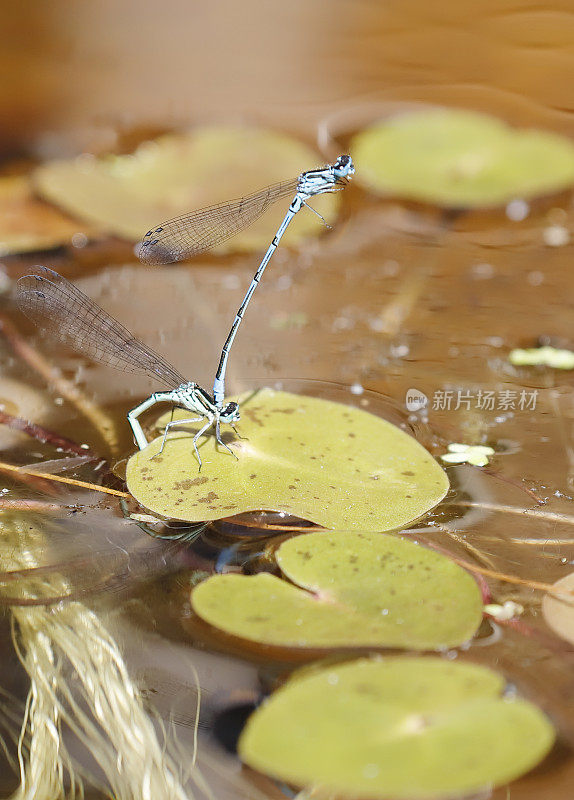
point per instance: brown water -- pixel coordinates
(396, 297)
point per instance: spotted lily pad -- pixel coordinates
(333, 464)
(396, 727)
(128, 194)
(461, 159)
(347, 589)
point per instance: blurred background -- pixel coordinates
(69, 67)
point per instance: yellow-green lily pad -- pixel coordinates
(347, 589)
(461, 159)
(335, 465)
(128, 194)
(402, 728)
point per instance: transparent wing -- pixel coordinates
(60, 308)
(190, 234)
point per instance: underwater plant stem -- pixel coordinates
(45, 436)
(533, 513)
(494, 474)
(501, 576)
(103, 423)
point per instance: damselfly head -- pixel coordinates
(344, 167)
(230, 413)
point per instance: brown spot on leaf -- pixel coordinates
(188, 483)
(209, 498)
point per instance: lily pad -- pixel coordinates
(28, 224)
(559, 613)
(396, 727)
(333, 464)
(128, 194)
(347, 589)
(461, 159)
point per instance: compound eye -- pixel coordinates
(231, 412)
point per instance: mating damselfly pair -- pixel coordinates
(66, 313)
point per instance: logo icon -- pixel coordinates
(416, 400)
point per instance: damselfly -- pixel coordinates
(66, 313)
(190, 234)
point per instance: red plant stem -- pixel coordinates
(44, 435)
(101, 421)
(493, 473)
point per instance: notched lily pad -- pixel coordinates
(333, 464)
(397, 727)
(347, 590)
(461, 159)
(128, 194)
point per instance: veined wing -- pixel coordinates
(60, 308)
(192, 233)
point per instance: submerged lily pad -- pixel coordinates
(559, 613)
(128, 194)
(347, 590)
(333, 464)
(462, 159)
(396, 727)
(28, 224)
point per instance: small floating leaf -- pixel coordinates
(347, 590)
(333, 464)
(502, 613)
(396, 727)
(461, 159)
(177, 173)
(559, 613)
(28, 224)
(477, 454)
(542, 356)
